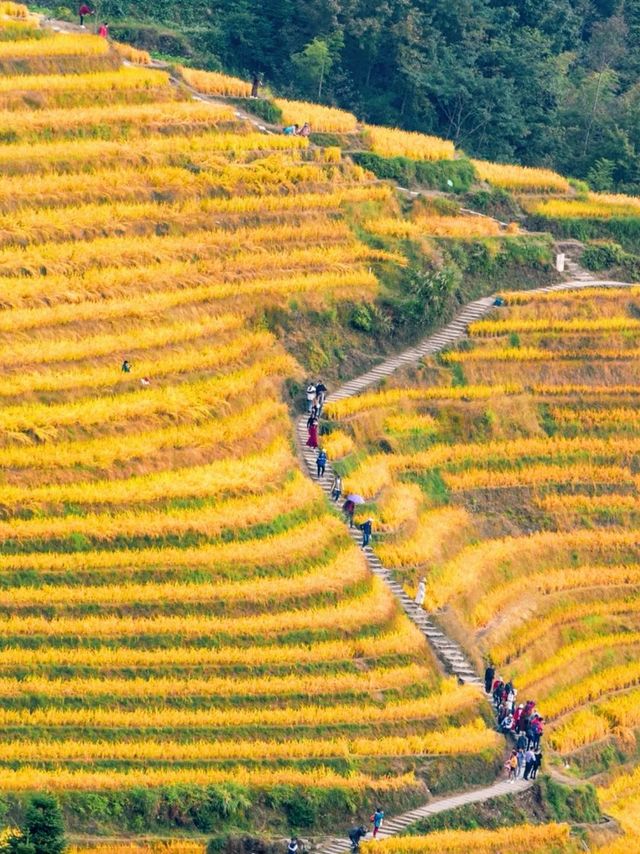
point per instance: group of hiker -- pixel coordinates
(316, 394)
(521, 721)
(86, 11)
(297, 130)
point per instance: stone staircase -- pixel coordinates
(398, 823)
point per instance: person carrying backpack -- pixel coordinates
(366, 532)
(349, 508)
(355, 835)
(321, 462)
(376, 819)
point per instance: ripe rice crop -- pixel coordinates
(435, 226)
(14, 10)
(435, 529)
(91, 155)
(97, 81)
(214, 83)
(538, 839)
(387, 642)
(469, 739)
(83, 222)
(55, 45)
(524, 179)
(487, 328)
(324, 119)
(61, 779)
(134, 117)
(300, 684)
(392, 142)
(344, 571)
(595, 206)
(450, 701)
(152, 846)
(132, 54)
(535, 839)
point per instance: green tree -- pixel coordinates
(43, 827)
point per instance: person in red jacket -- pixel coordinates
(83, 11)
(104, 31)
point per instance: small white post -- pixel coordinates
(560, 262)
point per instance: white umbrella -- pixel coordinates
(357, 499)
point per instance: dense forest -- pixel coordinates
(540, 82)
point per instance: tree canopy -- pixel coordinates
(540, 82)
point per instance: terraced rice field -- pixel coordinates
(505, 471)
(179, 607)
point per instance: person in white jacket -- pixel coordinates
(422, 590)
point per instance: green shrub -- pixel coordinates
(262, 107)
(494, 202)
(454, 176)
(361, 318)
(602, 255)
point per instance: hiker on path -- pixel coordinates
(489, 673)
(312, 427)
(376, 819)
(512, 766)
(290, 130)
(255, 85)
(311, 396)
(83, 11)
(321, 462)
(537, 762)
(366, 532)
(521, 742)
(348, 508)
(104, 30)
(529, 760)
(336, 487)
(536, 729)
(305, 130)
(292, 847)
(321, 393)
(355, 835)
(422, 592)
(521, 764)
(126, 367)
